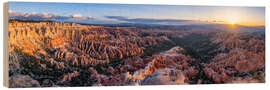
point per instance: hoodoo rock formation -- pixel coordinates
(70, 48)
(242, 55)
(53, 54)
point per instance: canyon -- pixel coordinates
(62, 54)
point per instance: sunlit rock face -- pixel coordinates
(164, 77)
(66, 49)
(77, 44)
(163, 68)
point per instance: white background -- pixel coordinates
(265, 3)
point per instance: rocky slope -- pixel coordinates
(65, 50)
(53, 54)
(242, 59)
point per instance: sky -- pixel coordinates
(138, 13)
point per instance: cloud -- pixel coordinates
(146, 20)
(15, 13)
(92, 20)
(45, 16)
(76, 16)
(33, 15)
(90, 17)
(218, 21)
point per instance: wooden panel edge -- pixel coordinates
(5, 45)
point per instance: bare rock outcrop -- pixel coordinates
(22, 81)
(164, 77)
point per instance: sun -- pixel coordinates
(232, 22)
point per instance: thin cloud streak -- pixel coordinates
(45, 16)
(155, 21)
(144, 20)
